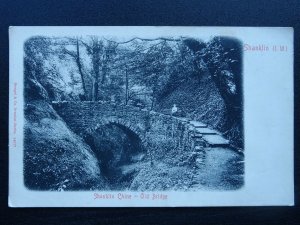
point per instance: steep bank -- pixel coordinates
(54, 157)
(199, 99)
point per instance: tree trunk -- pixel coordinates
(152, 103)
(126, 86)
(103, 79)
(95, 88)
(80, 70)
(96, 79)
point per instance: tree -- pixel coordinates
(75, 54)
(101, 53)
(40, 70)
(221, 61)
(150, 65)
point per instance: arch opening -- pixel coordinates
(120, 153)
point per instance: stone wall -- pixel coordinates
(157, 131)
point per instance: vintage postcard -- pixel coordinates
(150, 116)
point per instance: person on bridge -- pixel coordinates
(174, 109)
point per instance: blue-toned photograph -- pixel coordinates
(138, 114)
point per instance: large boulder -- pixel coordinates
(55, 158)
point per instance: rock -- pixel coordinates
(34, 90)
(54, 157)
(197, 124)
(198, 148)
(205, 131)
(216, 140)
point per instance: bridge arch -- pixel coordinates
(117, 147)
(125, 124)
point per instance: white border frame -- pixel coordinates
(268, 121)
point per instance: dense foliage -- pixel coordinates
(144, 72)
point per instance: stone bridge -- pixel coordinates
(155, 130)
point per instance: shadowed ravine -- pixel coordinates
(116, 147)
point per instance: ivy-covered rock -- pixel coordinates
(54, 157)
